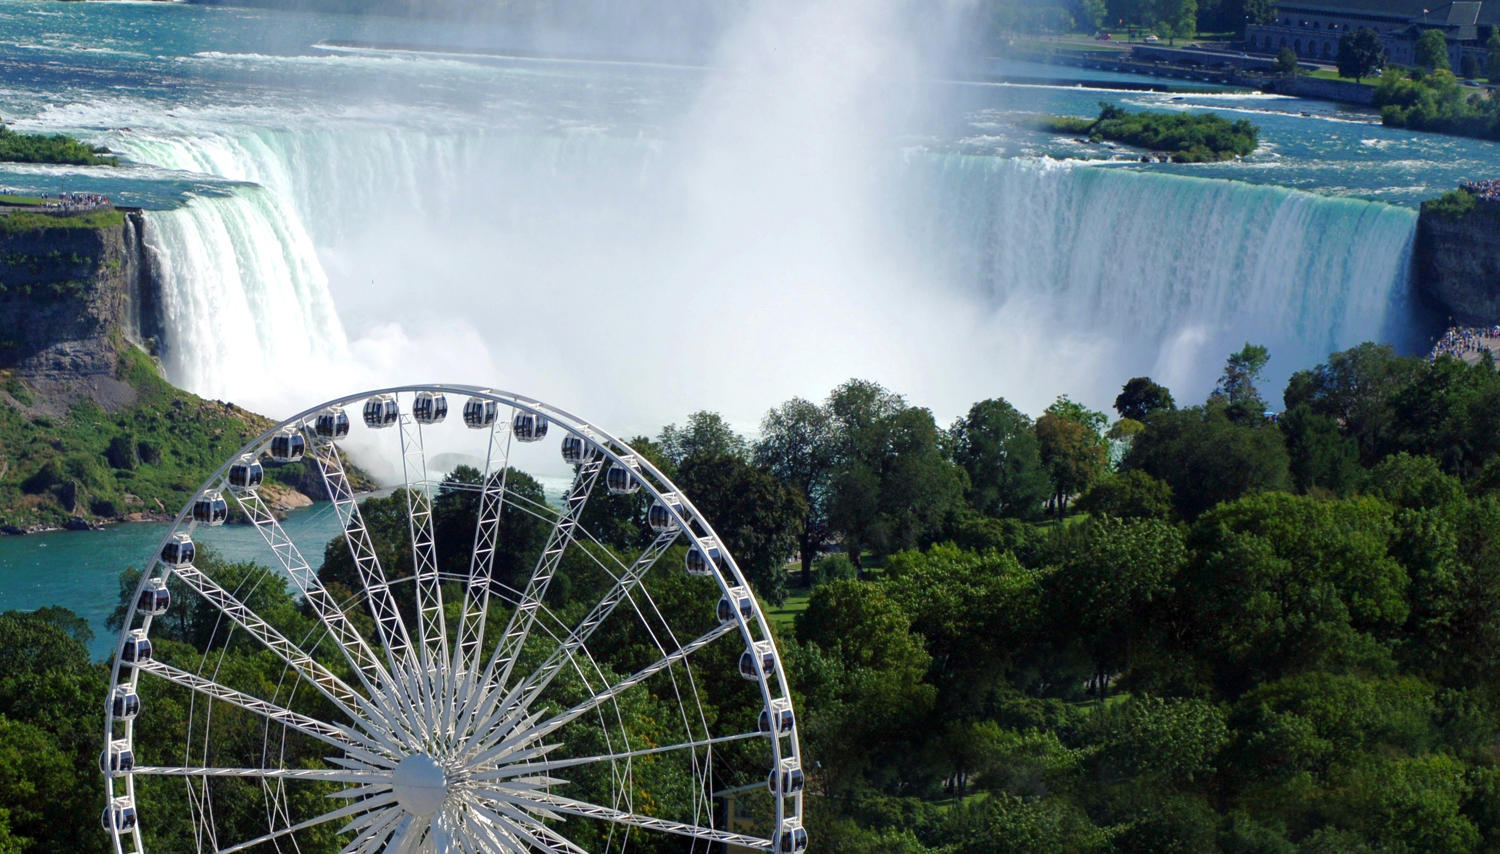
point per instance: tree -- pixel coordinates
(1181, 19)
(755, 515)
(996, 446)
(1492, 59)
(1354, 388)
(1470, 67)
(1431, 51)
(1287, 584)
(1286, 63)
(1141, 397)
(1097, 13)
(1073, 455)
(1320, 456)
(1361, 54)
(797, 447)
(706, 434)
(1237, 385)
(1206, 458)
(1128, 495)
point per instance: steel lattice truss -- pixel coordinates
(444, 728)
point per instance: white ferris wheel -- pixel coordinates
(433, 706)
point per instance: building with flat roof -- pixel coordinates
(1312, 28)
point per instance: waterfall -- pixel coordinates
(245, 302)
(954, 277)
(1135, 272)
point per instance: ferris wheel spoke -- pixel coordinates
(578, 637)
(344, 812)
(375, 830)
(496, 831)
(388, 622)
(569, 806)
(323, 679)
(521, 769)
(510, 740)
(322, 774)
(358, 653)
(486, 540)
(518, 628)
(431, 628)
(525, 825)
(340, 737)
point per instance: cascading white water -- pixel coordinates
(246, 303)
(963, 277)
(1097, 269)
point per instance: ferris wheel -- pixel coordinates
(619, 688)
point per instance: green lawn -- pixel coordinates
(21, 201)
(796, 603)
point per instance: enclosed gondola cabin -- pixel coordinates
(155, 599)
(124, 704)
(660, 517)
(246, 473)
(778, 716)
(480, 413)
(381, 411)
(793, 839)
(288, 447)
(529, 426)
(767, 661)
(703, 559)
(178, 551)
(577, 450)
(137, 648)
(788, 779)
(429, 407)
(210, 509)
(738, 599)
(117, 759)
(623, 477)
(119, 816)
(331, 423)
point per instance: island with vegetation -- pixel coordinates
(1184, 137)
(55, 148)
(1435, 101)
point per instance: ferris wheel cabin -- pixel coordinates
(119, 816)
(767, 661)
(480, 413)
(577, 450)
(788, 779)
(779, 716)
(702, 560)
(430, 407)
(288, 447)
(137, 648)
(155, 599)
(117, 759)
(793, 838)
(331, 423)
(246, 473)
(124, 704)
(659, 517)
(381, 411)
(529, 426)
(211, 509)
(739, 599)
(623, 478)
(179, 551)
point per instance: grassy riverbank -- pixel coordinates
(1185, 137)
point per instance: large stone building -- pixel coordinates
(1312, 28)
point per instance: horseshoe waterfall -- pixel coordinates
(1050, 273)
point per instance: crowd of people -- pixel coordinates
(66, 202)
(1488, 189)
(1459, 341)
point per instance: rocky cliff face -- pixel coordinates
(70, 299)
(1458, 263)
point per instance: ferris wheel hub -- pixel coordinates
(420, 784)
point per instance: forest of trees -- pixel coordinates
(1187, 628)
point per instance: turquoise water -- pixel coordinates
(80, 570)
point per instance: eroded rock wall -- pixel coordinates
(1458, 263)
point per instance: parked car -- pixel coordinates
(1103, 37)
(1152, 38)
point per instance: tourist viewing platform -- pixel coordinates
(60, 203)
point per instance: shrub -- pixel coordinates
(1454, 204)
(834, 568)
(45, 477)
(122, 453)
